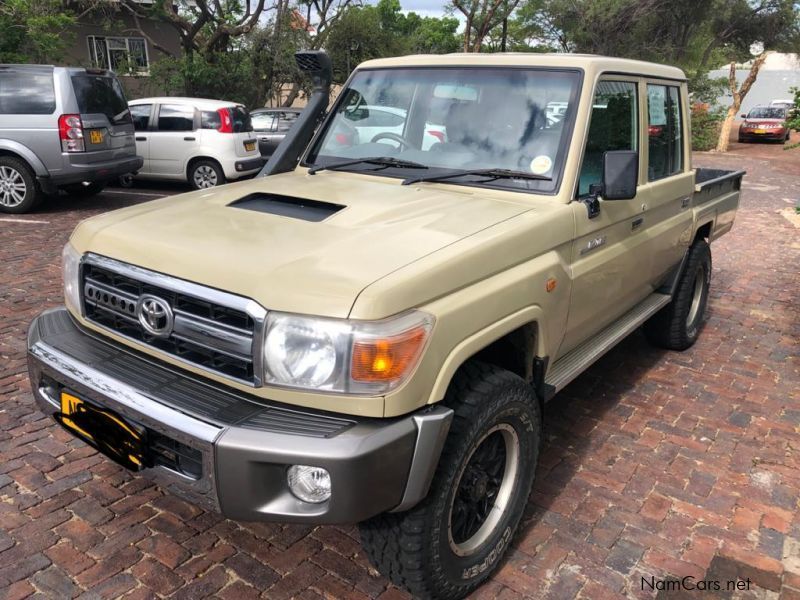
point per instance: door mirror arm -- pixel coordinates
(592, 201)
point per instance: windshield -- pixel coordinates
(766, 112)
(455, 118)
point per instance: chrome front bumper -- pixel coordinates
(231, 450)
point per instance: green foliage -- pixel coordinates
(706, 125)
(794, 114)
(224, 75)
(695, 35)
(33, 31)
(703, 88)
(367, 32)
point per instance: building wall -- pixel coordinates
(121, 24)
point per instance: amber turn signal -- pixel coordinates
(389, 358)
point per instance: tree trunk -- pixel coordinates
(292, 95)
(738, 97)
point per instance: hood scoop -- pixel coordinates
(288, 206)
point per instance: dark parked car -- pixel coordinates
(764, 123)
(271, 126)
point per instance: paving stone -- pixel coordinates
(660, 464)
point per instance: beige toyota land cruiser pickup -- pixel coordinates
(367, 332)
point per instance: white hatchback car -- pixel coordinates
(205, 142)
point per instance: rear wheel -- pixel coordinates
(677, 325)
(19, 192)
(126, 180)
(450, 543)
(204, 174)
(84, 190)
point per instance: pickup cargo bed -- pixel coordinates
(716, 198)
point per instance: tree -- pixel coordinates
(202, 26)
(357, 37)
(34, 30)
(434, 35)
(481, 17)
(738, 96)
(367, 32)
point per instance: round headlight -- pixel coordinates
(309, 484)
(300, 352)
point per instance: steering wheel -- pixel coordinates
(392, 136)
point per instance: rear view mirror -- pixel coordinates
(744, 115)
(620, 174)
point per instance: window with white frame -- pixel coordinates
(119, 54)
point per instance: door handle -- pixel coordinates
(636, 223)
(189, 139)
(141, 139)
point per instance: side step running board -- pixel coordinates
(572, 364)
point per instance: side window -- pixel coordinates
(174, 117)
(26, 92)
(141, 116)
(664, 131)
(286, 121)
(263, 121)
(210, 119)
(613, 126)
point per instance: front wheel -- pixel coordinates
(677, 325)
(450, 543)
(19, 192)
(204, 174)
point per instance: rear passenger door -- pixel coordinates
(173, 139)
(667, 192)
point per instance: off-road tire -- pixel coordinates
(16, 170)
(678, 324)
(415, 548)
(206, 170)
(84, 190)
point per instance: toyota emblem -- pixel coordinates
(155, 315)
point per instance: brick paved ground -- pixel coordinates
(655, 464)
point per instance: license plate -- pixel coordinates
(96, 137)
(761, 131)
(249, 146)
(103, 429)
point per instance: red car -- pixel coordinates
(764, 123)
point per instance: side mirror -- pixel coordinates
(620, 174)
(744, 115)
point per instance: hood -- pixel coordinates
(765, 121)
(361, 229)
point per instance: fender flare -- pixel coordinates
(27, 155)
(483, 338)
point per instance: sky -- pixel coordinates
(425, 8)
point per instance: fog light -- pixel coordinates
(310, 484)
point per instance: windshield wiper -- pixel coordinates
(491, 174)
(383, 161)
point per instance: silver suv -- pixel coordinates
(61, 128)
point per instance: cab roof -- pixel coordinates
(588, 62)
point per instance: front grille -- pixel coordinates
(216, 337)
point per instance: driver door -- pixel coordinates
(610, 262)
